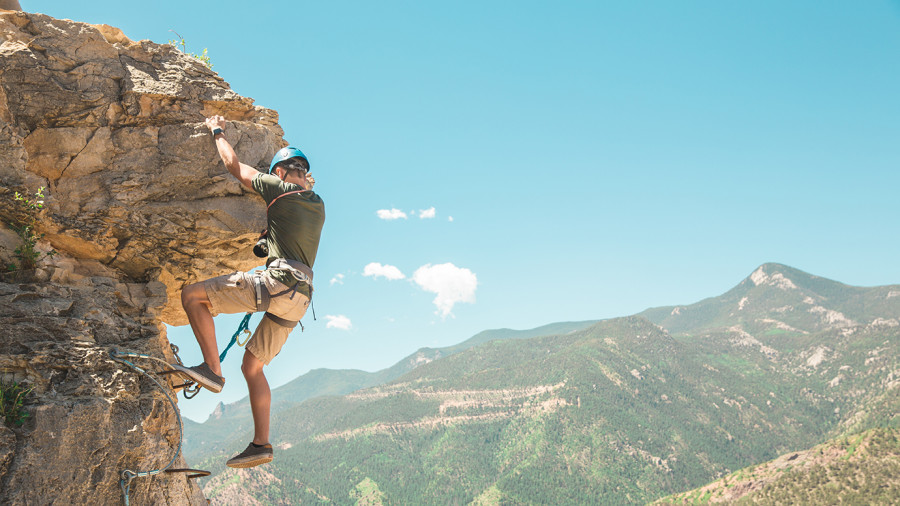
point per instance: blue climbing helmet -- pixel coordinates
(286, 154)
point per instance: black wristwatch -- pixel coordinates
(217, 131)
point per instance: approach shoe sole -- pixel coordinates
(252, 456)
(258, 461)
(200, 378)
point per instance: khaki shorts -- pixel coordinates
(236, 293)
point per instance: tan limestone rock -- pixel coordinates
(137, 205)
(10, 5)
(114, 129)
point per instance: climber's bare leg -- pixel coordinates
(197, 307)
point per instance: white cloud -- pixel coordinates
(338, 279)
(339, 322)
(450, 218)
(426, 213)
(376, 270)
(391, 214)
(452, 284)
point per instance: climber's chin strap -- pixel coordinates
(300, 271)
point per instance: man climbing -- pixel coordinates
(295, 215)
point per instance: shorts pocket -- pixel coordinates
(235, 280)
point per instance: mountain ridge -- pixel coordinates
(227, 419)
(624, 410)
(793, 288)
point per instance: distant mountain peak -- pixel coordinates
(773, 275)
(218, 412)
(776, 298)
(787, 278)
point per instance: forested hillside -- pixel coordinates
(623, 412)
(855, 469)
(229, 423)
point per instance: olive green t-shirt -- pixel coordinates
(295, 224)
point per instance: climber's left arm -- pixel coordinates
(243, 172)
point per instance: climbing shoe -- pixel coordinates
(203, 376)
(253, 456)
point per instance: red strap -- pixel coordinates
(282, 195)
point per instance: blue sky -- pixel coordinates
(596, 158)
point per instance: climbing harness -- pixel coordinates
(127, 474)
(299, 270)
(301, 274)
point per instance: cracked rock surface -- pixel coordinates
(137, 205)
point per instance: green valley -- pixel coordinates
(621, 411)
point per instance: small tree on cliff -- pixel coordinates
(181, 42)
(25, 226)
(12, 402)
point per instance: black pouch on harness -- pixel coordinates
(261, 248)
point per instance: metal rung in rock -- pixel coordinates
(191, 388)
(191, 473)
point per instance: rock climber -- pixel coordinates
(295, 215)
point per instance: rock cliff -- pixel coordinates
(137, 205)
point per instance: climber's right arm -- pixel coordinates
(244, 173)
